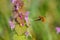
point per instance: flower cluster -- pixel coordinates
(19, 17)
(17, 14)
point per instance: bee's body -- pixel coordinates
(41, 18)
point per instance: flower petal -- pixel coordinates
(58, 29)
(11, 24)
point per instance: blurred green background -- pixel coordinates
(43, 31)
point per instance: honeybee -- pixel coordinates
(41, 18)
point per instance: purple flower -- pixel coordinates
(22, 24)
(58, 29)
(27, 14)
(11, 25)
(27, 34)
(21, 16)
(16, 7)
(26, 17)
(13, 1)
